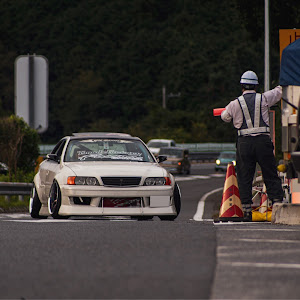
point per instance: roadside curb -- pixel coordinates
(286, 213)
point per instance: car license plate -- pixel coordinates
(121, 202)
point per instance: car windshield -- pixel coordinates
(227, 155)
(158, 144)
(107, 150)
(171, 152)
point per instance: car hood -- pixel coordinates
(97, 169)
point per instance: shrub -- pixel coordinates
(18, 145)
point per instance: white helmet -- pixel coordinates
(249, 77)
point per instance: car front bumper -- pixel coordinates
(154, 201)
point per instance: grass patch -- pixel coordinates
(13, 203)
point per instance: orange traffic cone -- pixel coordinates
(265, 204)
(264, 211)
(231, 207)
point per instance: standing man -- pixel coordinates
(250, 116)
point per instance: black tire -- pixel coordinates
(177, 202)
(54, 201)
(35, 205)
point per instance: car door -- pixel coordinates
(43, 170)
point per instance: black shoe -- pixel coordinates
(247, 216)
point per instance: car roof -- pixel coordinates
(116, 135)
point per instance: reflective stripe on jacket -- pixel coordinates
(253, 122)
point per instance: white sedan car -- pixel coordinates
(106, 174)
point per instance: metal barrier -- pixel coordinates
(15, 188)
(208, 147)
(203, 156)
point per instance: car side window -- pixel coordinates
(59, 148)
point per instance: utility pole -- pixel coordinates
(267, 54)
(164, 96)
(164, 104)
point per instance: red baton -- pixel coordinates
(217, 111)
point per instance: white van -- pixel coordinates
(155, 144)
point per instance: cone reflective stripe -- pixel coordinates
(231, 207)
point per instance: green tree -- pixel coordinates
(109, 59)
(18, 145)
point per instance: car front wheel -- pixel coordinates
(177, 202)
(54, 201)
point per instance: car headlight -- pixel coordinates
(218, 161)
(157, 181)
(81, 180)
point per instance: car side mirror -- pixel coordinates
(161, 158)
(53, 157)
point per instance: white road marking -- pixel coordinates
(14, 216)
(68, 220)
(237, 223)
(268, 241)
(43, 221)
(28, 219)
(217, 175)
(262, 265)
(200, 209)
(232, 251)
(262, 229)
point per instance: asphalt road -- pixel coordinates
(119, 258)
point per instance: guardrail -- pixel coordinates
(203, 156)
(208, 147)
(15, 188)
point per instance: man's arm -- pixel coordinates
(273, 96)
(225, 116)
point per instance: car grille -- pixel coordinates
(121, 181)
(121, 202)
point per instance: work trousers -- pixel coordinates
(252, 150)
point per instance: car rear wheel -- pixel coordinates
(35, 205)
(54, 201)
(177, 202)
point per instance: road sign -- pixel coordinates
(286, 37)
(31, 90)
